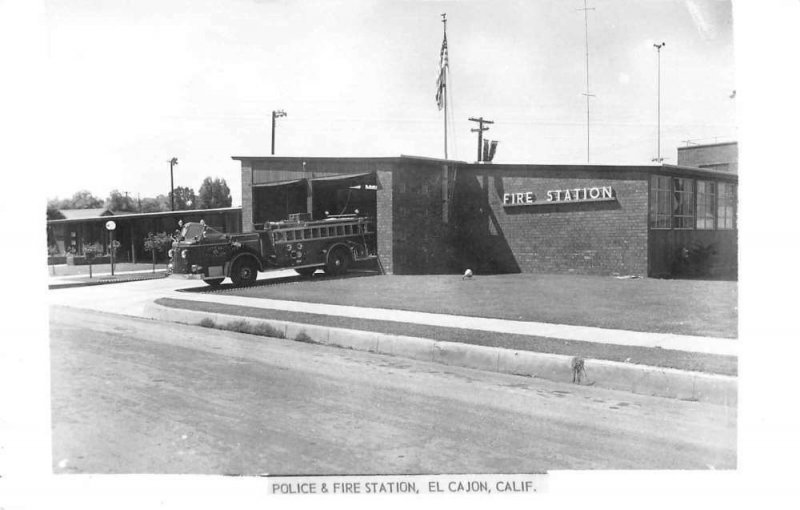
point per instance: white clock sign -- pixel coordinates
(110, 225)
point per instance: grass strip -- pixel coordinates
(698, 362)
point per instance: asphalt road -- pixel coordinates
(132, 395)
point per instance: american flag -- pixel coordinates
(440, 82)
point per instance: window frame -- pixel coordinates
(707, 199)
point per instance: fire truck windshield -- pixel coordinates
(191, 231)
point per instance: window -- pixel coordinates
(683, 203)
(660, 201)
(706, 207)
(726, 201)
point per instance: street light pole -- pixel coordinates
(275, 115)
(172, 162)
(658, 47)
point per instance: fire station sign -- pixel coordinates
(560, 196)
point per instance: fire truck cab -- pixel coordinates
(331, 244)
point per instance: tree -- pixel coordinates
(213, 194)
(120, 202)
(185, 198)
(83, 199)
(53, 212)
(80, 200)
(157, 204)
(157, 243)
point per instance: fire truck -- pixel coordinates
(332, 244)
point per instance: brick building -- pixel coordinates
(715, 156)
(437, 216)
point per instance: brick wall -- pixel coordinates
(385, 219)
(585, 238)
(247, 197)
(722, 156)
(421, 243)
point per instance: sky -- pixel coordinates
(131, 84)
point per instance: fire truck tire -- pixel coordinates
(338, 262)
(306, 271)
(244, 272)
(214, 282)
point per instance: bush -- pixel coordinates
(261, 329)
(207, 323)
(303, 337)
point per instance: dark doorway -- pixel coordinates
(276, 201)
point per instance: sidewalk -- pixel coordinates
(706, 345)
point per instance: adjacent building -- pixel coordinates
(69, 237)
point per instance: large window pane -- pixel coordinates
(706, 207)
(683, 203)
(726, 201)
(660, 202)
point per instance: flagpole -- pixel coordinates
(444, 86)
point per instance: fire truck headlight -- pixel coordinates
(288, 247)
(299, 246)
(184, 254)
(169, 253)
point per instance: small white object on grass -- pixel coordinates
(467, 274)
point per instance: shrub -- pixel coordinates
(239, 326)
(207, 323)
(265, 329)
(303, 337)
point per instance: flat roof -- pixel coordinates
(650, 169)
(128, 216)
(703, 145)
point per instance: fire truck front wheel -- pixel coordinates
(338, 262)
(244, 272)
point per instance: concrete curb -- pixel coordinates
(101, 281)
(641, 379)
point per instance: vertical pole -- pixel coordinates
(659, 106)
(480, 142)
(112, 253)
(273, 133)
(171, 185)
(586, 25)
(658, 146)
(446, 66)
(445, 115)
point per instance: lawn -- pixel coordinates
(689, 307)
(709, 363)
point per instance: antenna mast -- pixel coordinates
(587, 94)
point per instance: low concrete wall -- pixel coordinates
(641, 379)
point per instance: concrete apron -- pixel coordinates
(641, 379)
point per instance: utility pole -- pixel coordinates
(658, 158)
(480, 129)
(275, 115)
(172, 163)
(587, 94)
